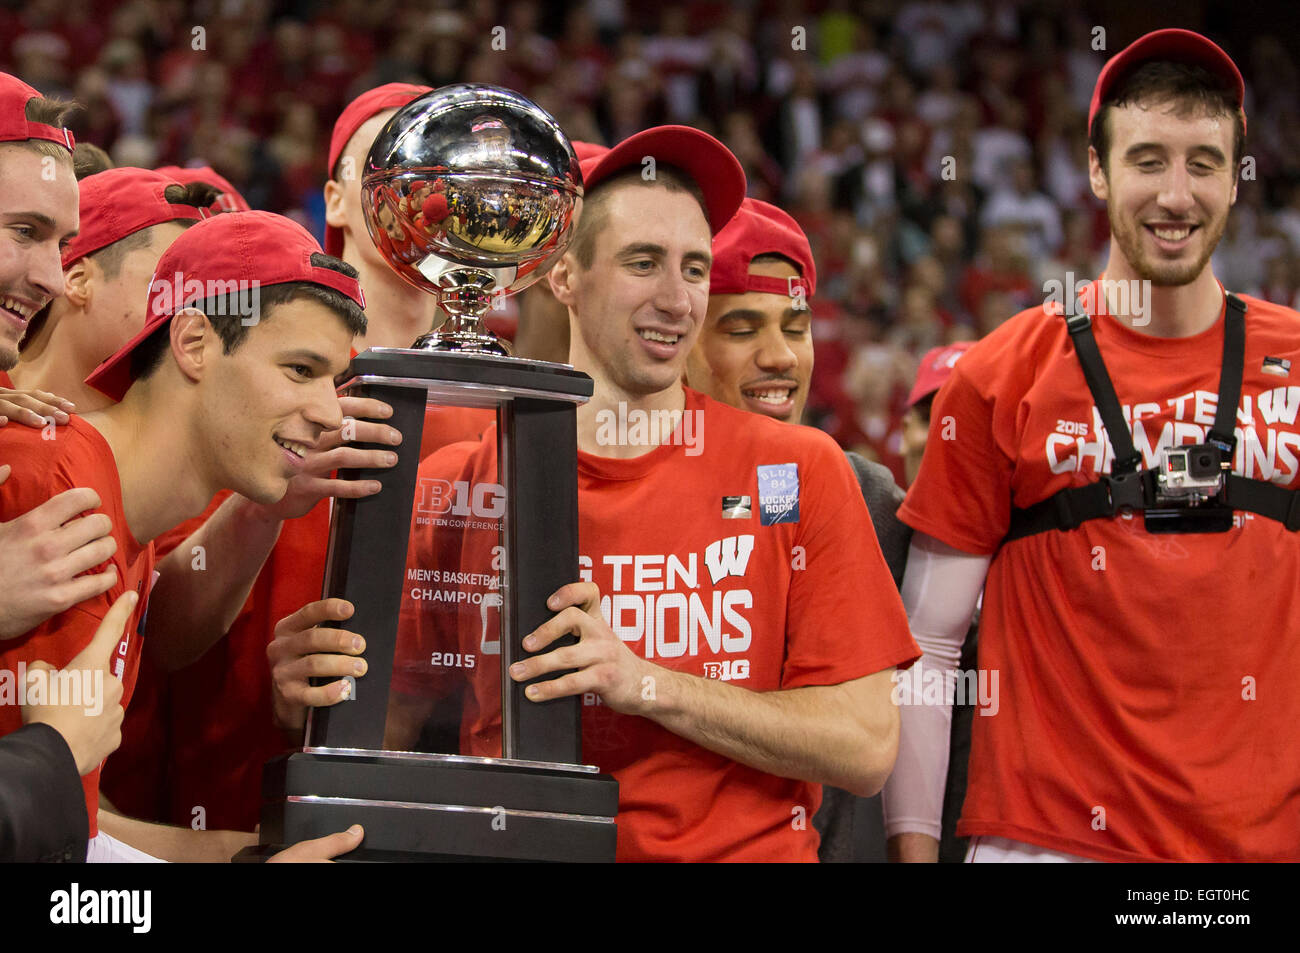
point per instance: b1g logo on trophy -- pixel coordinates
(470, 193)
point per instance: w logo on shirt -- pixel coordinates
(728, 557)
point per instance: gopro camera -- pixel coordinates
(1188, 492)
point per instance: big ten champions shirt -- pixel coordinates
(739, 549)
(46, 462)
(1147, 681)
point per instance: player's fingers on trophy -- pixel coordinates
(315, 663)
(574, 683)
(567, 620)
(312, 614)
(360, 416)
(340, 458)
(364, 414)
(556, 660)
(322, 849)
(585, 595)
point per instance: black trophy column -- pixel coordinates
(366, 565)
(542, 497)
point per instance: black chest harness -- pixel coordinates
(1126, 488)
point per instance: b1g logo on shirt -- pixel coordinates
(728, 670)
(778, 493)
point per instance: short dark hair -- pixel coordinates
(1190, 88)
(773, 257)
(225, 314)
(595, 206)
(89, 159)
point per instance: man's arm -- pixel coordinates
(940, 591)
(845, 735)
(191, 609)
(180, 845)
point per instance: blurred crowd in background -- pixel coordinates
(935, 153)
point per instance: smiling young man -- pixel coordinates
(211, 395)
(1136, 623)
(220, 717)
(755, 352)
(684, 589)
(38, 212)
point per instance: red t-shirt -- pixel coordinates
(5, 380)
(1129, 663)
(770, 592)
(77, 456)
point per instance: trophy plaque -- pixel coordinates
(471, 193)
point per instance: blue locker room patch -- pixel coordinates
(778, 493)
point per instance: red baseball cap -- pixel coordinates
(116, 203)
(14, 124)
(354, 115)
(229, 201)
(760, 228)
(587, 153)
(706, 160)
(936, 367)
(252, 250)
(1178, 46)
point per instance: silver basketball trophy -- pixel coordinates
(470, 193)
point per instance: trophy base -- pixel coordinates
(428, 809)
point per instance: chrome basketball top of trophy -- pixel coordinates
(471, 192)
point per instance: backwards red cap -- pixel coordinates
(354, 115)
(14, 124)
(936, 367)
(223, 254)
(706, 160)
(1178, 46)
(760, 229)
(228, 201)
(116, 203)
